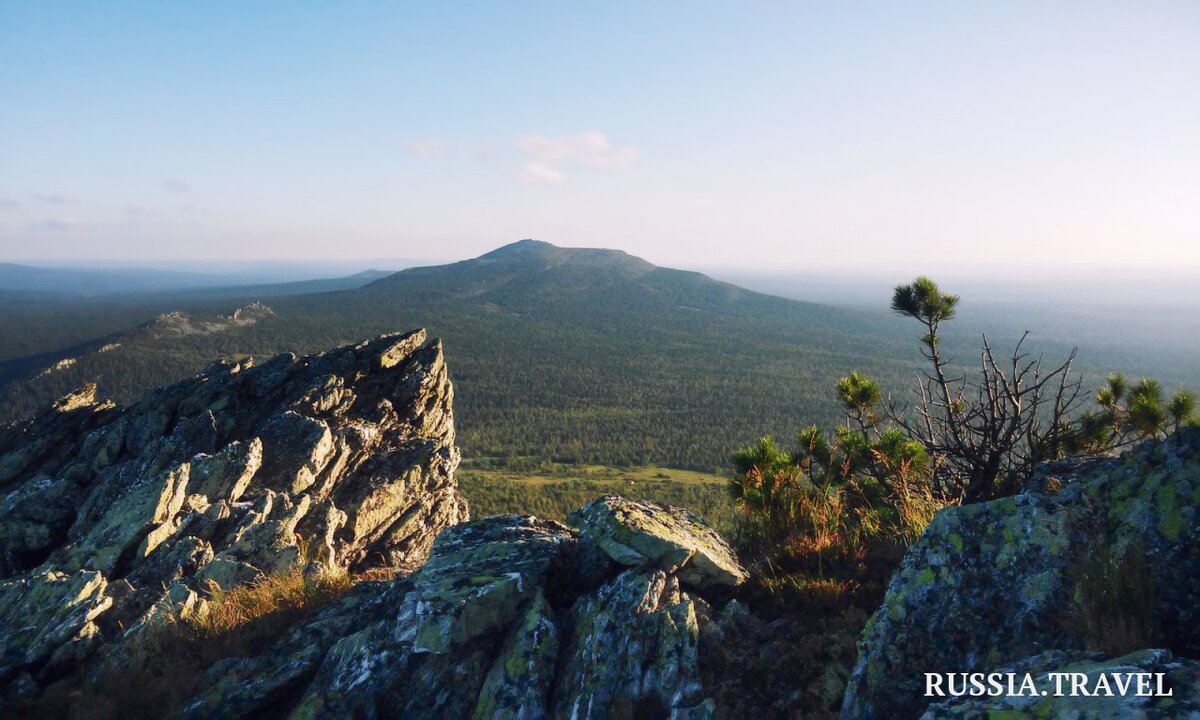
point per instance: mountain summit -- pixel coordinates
(535, 276)
(548, 255)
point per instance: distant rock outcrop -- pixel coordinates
(1002, 582)
(180, 323)
(111, 517)
(511, 617)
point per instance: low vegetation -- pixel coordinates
(528, 486)
(1115, 604)
(166, 664)
(824, 519)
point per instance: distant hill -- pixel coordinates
(29, 283)
(61, 282)
(574, 354)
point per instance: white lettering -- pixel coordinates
(1161, 691)
(1058, 680)
(1123, 687)
(996, 687)
(1143, 684)
(1079, 685)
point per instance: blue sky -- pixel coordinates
(765, 135)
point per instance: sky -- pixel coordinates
(757, 135)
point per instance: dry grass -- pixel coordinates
(1115, 607)
(169, 661)
(808, 591)
(280, 597)
(916, 507)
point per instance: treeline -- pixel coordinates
(675, 371)
(586, 385)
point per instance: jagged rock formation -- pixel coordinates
(112, 517)
(179, 323)
(996, 583)
(511, 617)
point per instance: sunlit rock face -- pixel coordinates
(511, 617)
(112, 518)
(997, 583)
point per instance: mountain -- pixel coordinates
(571, 354)
(584, 355)
(536, 277)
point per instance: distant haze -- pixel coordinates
(874, 138)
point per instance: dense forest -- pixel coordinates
(576, 356)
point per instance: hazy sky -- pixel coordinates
(769, 135)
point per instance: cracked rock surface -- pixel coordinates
(111, 517)
(511, 617)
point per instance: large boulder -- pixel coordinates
(670, 539)
(112, 517)
(998, 582)
(511, 617)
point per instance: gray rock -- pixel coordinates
(994, 583)
(226, 475)
(295, 449)
(46, 611)
(646, 534)
(634, 647)
(114, 518)
(511, 617)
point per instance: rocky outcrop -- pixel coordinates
(112, 516)
(511, 617)
(997, 583)
(178, 323)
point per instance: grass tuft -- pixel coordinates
(166, 665)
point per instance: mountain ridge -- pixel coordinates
(568, 354)
(530, 273)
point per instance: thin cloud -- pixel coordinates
(7, 203)
(535, 172)
(548, 158)
(176, 185)
(428, 148)
(55, 199)
(58, 224)
(140, 211)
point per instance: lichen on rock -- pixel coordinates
(511, 617)
(113, 517)
(998, 582)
